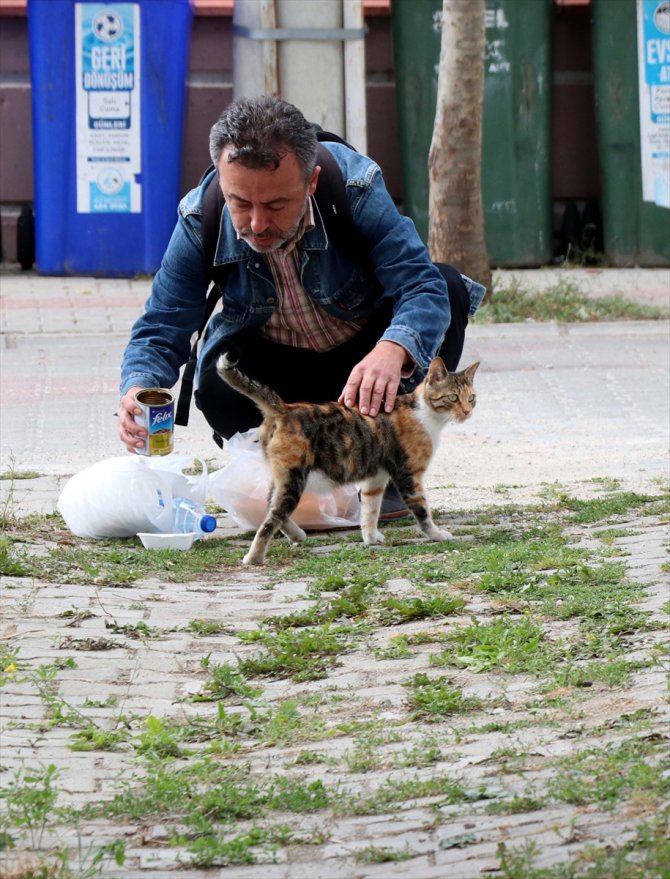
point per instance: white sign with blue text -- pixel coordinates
(653, 32)
(108, 106)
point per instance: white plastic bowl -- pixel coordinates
(167, 541)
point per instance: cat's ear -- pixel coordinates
(469, 373)
(437, 371)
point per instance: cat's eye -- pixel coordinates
(471, 398)
(453, 398)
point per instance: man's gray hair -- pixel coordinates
(261, 131)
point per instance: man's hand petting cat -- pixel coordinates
(375, 379)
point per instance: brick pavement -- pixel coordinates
(559, 406)
(155, 676)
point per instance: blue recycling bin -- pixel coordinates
(108, 82)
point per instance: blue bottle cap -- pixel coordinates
(207, 524)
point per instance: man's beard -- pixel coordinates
(282, 237)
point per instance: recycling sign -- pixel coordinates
(108, 107)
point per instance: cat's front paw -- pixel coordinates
(253, 558)
(293, 532)
(439, 534)
(374, 539)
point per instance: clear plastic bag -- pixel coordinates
(241, 488)
(121, 497)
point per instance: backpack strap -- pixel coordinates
(211, 221)
(212, 209)
(331, 199)
(188, 375)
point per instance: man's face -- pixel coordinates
(266, 206)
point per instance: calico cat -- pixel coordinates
(347, 447)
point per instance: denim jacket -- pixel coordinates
(400, 270)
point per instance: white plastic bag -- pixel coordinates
(119, 497)
(241, 488)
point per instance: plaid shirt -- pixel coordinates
(298, 321)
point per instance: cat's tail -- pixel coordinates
(263, 396)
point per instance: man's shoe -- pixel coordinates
(393, 506)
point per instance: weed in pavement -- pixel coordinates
(30, 802)
(645, 857)
(210, 845)
(395, 611)
(434, 698)
(302, 654)
(14, 560)
(615, 673)
(394, 791)
(206, 628)
(396, 648)
(513, 646)
(517, 804)
(17, 475)
(224, 681)
(138, 630)
(373, 854)
(366, 755)
(426, 752)
(92, 738)
(607, 775)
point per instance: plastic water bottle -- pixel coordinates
(189, 517)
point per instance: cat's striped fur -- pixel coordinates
(347, 447)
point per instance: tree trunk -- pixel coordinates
(456, 216)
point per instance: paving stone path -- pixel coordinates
(578, 410)
(157, 675)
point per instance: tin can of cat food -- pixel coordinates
(157, 405)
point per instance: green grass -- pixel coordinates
(373, 854)
(29, 801)
(646, 857)
(118, 562)
(607, 508)
(606, 775)
(224, 681)
(17, 475)
(206, 628)
(564, 303)
(236, 782)
(435, 699)
(302, 654)
(614, 673)
(513, 646)
(392, 792)
(396, 611)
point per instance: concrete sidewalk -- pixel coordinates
(87, 647)
(556, 402)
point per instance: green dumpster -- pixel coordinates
(636, 231)
(516, 179)
(416, 47)
(516, 170)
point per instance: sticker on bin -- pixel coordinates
(108, 107)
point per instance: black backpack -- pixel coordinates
(331, 199)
